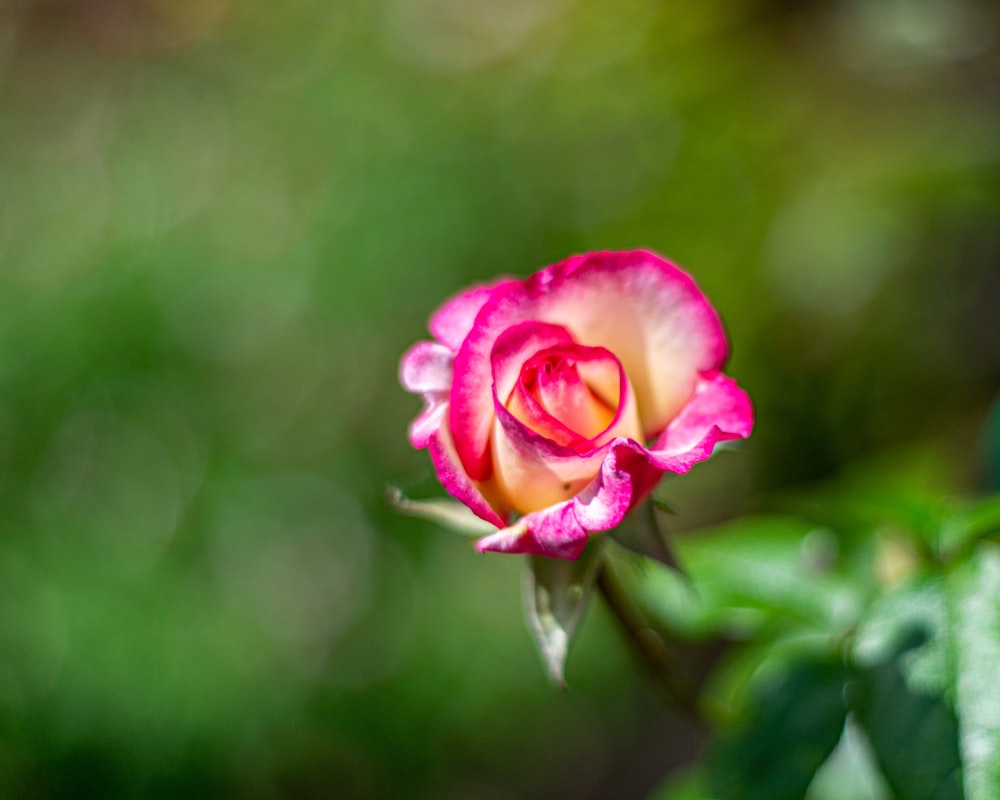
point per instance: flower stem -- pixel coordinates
(651, 646)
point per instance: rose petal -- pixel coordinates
(428, 423)
(719, 411)
(553, 532)
(451, 323)
(645, 310)
(560, 392)
(517, 345)
(533, 470)
(426, 369)
(527, 410)
(613, 406)
(456, 482)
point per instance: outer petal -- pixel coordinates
(719, 411)
(426, 369)
(451, 323)
(428, 423)
(553, 532)
(645, 310)
(456, 481)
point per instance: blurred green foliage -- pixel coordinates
(220, 225)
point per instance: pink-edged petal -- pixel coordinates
(426, 369)
(593, 406)
(538, 467)
(455, 480)
(427, 423)
(515, 346)
(719, 411)
(553, 532)
(626, 476)
(552, 379)
(512, 349)
(451, 323)
(509, 351)
(562, 530)
(645, 310)
(526, 408)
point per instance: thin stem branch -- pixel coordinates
(650, 645)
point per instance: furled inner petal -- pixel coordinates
(554, 381)
(572, 395)
(548, 439)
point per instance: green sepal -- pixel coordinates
(642, 532)
(557, 594)
(450, 514)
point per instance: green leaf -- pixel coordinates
(642, 533)
(979, 520)
(913, 732)
(850, 773)
(558, 592)
(684, 786)
(891, 622)
(793, 724)
(975, 595)
(750, 573)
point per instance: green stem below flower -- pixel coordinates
(651, 646)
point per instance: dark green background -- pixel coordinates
(222, 222)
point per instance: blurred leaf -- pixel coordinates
(792, 725)
(975, 595)
(642, 533)
(990, 444)
(891, 622)
(901, 490)
(752, 572)
(770, 654)
(851, 772)
(979, 520)
(558, 592)
(687, 786)
(914, 733)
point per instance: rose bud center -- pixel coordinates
(554, 382)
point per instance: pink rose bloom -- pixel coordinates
(555, 404)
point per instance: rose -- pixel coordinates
(555, 404)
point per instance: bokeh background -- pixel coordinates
(222, 222)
